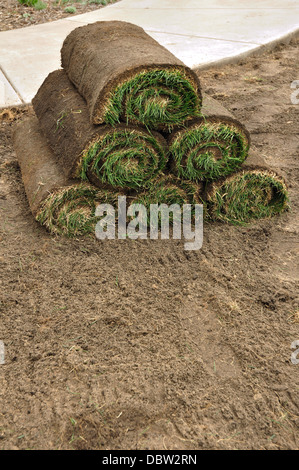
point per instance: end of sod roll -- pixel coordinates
(208, 148)
(169, 190)
(158, 98)
(123, 157)
(246, 196)
(71, 210)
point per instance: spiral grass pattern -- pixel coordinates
(170, 190)
(123, 158)
(167, 189)
(158, 99)
(71, 211)
(208, 149)
(246, 196)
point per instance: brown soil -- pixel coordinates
(141, 344)
(13, 15)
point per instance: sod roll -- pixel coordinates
(254, 192)
(170, 190)
(209, 147)
(121, 156)
(63, 206)
(125, 75)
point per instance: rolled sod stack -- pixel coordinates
(62, 205)
(125, 75)
(126, 117)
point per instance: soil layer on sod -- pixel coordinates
(125, 75)
(124, 156)
(255, 191)
(209, 147)
(64, 206)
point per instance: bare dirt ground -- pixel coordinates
(14, 15)
(141, 344)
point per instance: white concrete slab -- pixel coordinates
(257, 26)
(28, 55)
(208, 4)
(201, 51)
(196, 31)
(8, 96)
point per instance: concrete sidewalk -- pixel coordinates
(198, 34)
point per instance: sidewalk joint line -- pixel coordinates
(12, 85)
(205, 37)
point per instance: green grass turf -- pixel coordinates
(208, 151)
(123, 159)
(246, 196)
(70, 211)
(154, 98)
(170, 190)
